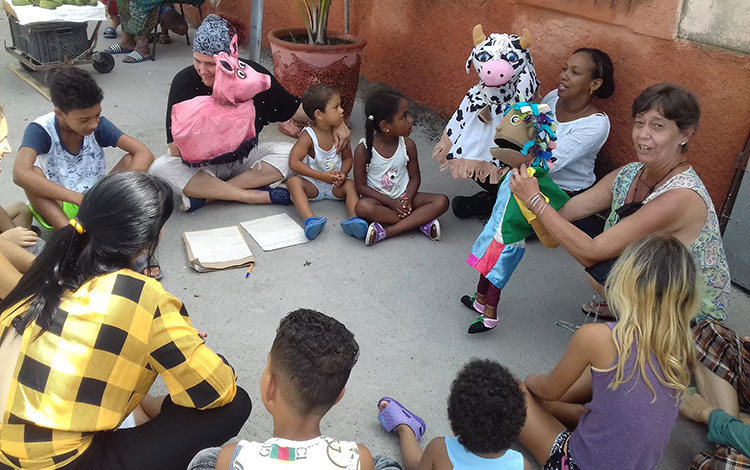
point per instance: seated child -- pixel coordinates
(307, 369)
(386, 173)
(15, 218)
(61, 154)
(322, 173)
(486, 410)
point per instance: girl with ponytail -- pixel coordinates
(386, 173)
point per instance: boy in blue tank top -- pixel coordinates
(486, 410)
(321, 173)
(61, 155)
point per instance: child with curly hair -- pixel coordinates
(307, 369)
(483, 433)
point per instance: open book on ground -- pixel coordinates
(275, 231)
(219, 248)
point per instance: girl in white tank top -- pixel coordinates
(386, 173)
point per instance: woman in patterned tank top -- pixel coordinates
(659, 193)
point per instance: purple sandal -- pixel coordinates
(375, 233)
(395, 413)
(427, 229)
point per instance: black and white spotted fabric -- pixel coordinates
(470, 137)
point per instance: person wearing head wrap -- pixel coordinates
(255, 174)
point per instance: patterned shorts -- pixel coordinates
(559, 457)
(722, 458)
(725, 354)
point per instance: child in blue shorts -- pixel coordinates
(61, 154)
(322, 173)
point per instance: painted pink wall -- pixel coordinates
(420, 47)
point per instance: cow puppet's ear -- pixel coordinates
(478, 34)
(525, 39)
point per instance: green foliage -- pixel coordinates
(315, 15)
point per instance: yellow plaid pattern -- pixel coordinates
(106, 345)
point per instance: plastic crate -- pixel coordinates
(49, 43)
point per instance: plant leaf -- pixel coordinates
(307, 17)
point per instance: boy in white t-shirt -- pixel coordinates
(61, 155)
(307, 370)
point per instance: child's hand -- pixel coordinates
(20, 236)
(340, 180)
(406, 203)
(330, 177)
(399, 208)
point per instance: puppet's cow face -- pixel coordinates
(499, 58)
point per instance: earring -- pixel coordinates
(682, 144)
(388, 130)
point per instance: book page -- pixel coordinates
(218, 245)
(275, 232)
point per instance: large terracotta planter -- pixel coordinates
(297, 66)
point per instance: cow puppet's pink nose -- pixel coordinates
(496, 73)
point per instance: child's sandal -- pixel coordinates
(375, 233)
(431, 230)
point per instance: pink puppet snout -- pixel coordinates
(496, 73)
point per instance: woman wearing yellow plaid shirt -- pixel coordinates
(90, 336)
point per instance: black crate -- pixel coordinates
(49, 43)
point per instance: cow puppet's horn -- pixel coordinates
(478, 34)
(525, 38)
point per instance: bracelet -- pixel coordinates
(533, 199)
(539, 207)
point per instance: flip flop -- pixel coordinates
(164, 38)
(109, 32)
(355, 227)
(117, 49)
(395, 413)
(143, 262)
(313, 226)
(135, 57)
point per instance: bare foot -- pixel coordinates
(20, 236)
(696, 408)
(152, 271)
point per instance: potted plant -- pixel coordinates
(313, 54)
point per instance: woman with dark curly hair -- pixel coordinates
(486, 410)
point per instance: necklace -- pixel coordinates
(572, 116)
(653, 186)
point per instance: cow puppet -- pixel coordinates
(526, 134)
(505, 68)
(220, 128)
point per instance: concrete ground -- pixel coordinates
(400, 297)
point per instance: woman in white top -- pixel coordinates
(582, 126)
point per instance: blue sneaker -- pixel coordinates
(193, 203)
(313, 226)
(355, 227)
